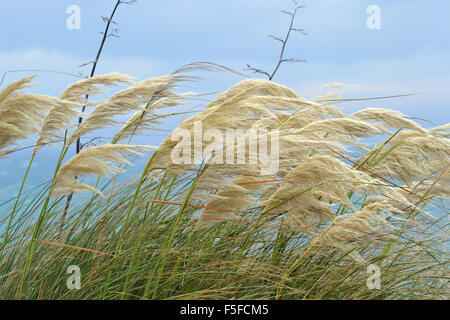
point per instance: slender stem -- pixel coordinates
(130, 209)
(289, 271)
(283, 47)
(83, 109)
(133, 201)
(66, 209)
(284, 41)
(139, 241)
(11, 217)
(94, 65)
(256, 225)
(169, 241)
(37, 228)
(411, 216)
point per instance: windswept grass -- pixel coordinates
(225, 231)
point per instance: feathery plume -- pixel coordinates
(441, 131)
(15, 87)
(78, 91)
(236, 109)
(366, 225)
(231, 199)
(342, 127)
(309, 191)
(57, 120)
(96, 160)
(253, 87)
(388, 119)
(132, 98)
(411, 156)
(21, 114)
(342, 130)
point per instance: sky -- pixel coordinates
(410, 53)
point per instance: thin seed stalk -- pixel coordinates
(247, 239)
(139, 241)
(11, 217)
(37, 228)
(170, 239)
(412, 215)
(130, 209)
(289, 271)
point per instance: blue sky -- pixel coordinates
(409, 54)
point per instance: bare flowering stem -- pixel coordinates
(106, 34)
(284, 42)
(109, 21)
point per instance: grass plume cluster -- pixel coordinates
(208, 231)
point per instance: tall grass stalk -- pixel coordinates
(11, 217)
(207, 231)
(37, 228)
